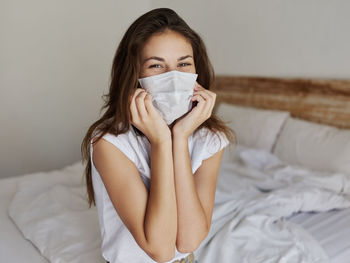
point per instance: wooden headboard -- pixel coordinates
(317, 100)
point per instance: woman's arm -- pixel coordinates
(195, 195)
(149, 216)
(161, 216)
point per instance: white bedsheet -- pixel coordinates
(13, 247)
(255, 194)
(51, 211)
(332, 231)
(248, 224)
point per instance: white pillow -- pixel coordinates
(255, 128)
(314, 145)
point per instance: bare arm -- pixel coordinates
(195, 195)
(149, 216)
(161, 219)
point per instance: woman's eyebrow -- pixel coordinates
(153, 57)
(162, 59)
(184, 57)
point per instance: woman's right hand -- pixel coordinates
(147, 119)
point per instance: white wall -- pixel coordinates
(55, 60)
(272, 37)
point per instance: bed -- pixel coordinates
(283, 193)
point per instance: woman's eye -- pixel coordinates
(185, 64)
(155, 66)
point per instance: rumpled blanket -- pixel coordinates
(255, 194)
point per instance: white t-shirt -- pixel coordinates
(118, 244)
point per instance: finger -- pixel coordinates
(149, 105)
(213, 95)
(133, 96)
(205, 95)
(140, 104)
(197, 86)
(200, 88)
(133, 107)
(208, 104)
(138, 91)
(208, 95)
(200, 100)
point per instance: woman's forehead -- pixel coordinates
(167, 44)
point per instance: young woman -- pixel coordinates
(151, 169)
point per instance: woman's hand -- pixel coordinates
(147, 119)
(188, 123)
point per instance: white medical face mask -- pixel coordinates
(171, 93)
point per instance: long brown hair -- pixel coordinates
(124, 80)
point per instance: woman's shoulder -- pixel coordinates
(125, 142)
(117, 137)
(206, 142)
(126, 138)
(205, 134)
(211, 140)
(121, 140)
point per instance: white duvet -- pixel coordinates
(255, 194)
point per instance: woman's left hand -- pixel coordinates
(188, 123)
